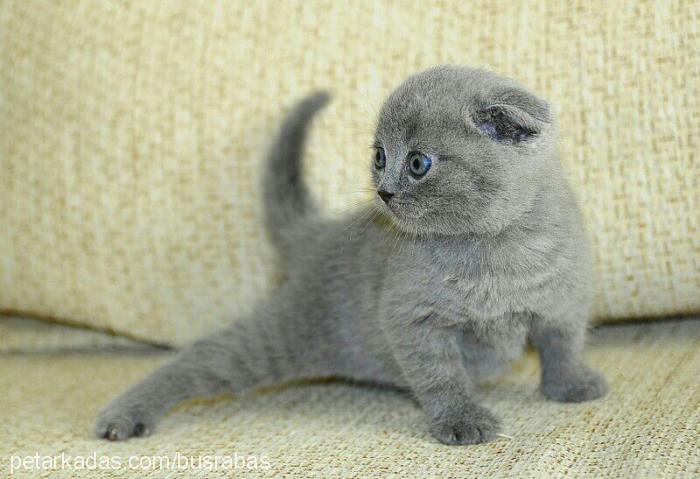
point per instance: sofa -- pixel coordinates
(132, 139)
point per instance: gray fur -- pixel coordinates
(432, 292)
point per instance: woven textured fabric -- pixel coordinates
(132, 136)
(26, 336)
(645, 428)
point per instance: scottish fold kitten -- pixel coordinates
(474, 244)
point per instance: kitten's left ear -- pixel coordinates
(512, 115)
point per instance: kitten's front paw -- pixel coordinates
(583, 385)
(474, 426)
(116, 423)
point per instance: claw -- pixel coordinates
(140, 430)
(112, 434)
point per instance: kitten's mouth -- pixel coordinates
(400, 211)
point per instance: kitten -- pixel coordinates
(474, 244)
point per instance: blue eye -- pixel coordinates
(379, 158)
(419, 164)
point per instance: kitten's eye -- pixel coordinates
(419, 164)
(379, 158)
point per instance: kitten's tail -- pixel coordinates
(287, 200)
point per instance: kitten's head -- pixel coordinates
(460, 150)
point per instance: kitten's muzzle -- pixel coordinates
(385, 195)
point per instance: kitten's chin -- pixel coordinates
(424, 224)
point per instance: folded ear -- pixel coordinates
(512, 115)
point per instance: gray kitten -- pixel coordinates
(473, 245)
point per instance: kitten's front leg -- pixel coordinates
(565, 375)
(431, 363)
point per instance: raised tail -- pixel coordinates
(287, 200)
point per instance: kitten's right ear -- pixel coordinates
(512, 115)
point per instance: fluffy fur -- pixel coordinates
(431, 291)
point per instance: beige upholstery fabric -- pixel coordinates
(25, 335)
(131, 140)
(646, 428)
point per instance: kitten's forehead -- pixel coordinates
(408, 117)
(433, 100)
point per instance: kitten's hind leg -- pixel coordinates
(272, 346)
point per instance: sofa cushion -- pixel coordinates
(26, 336)
(132, 137)
(646, 427)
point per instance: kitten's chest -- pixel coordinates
(476, 295)
(475, 285)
